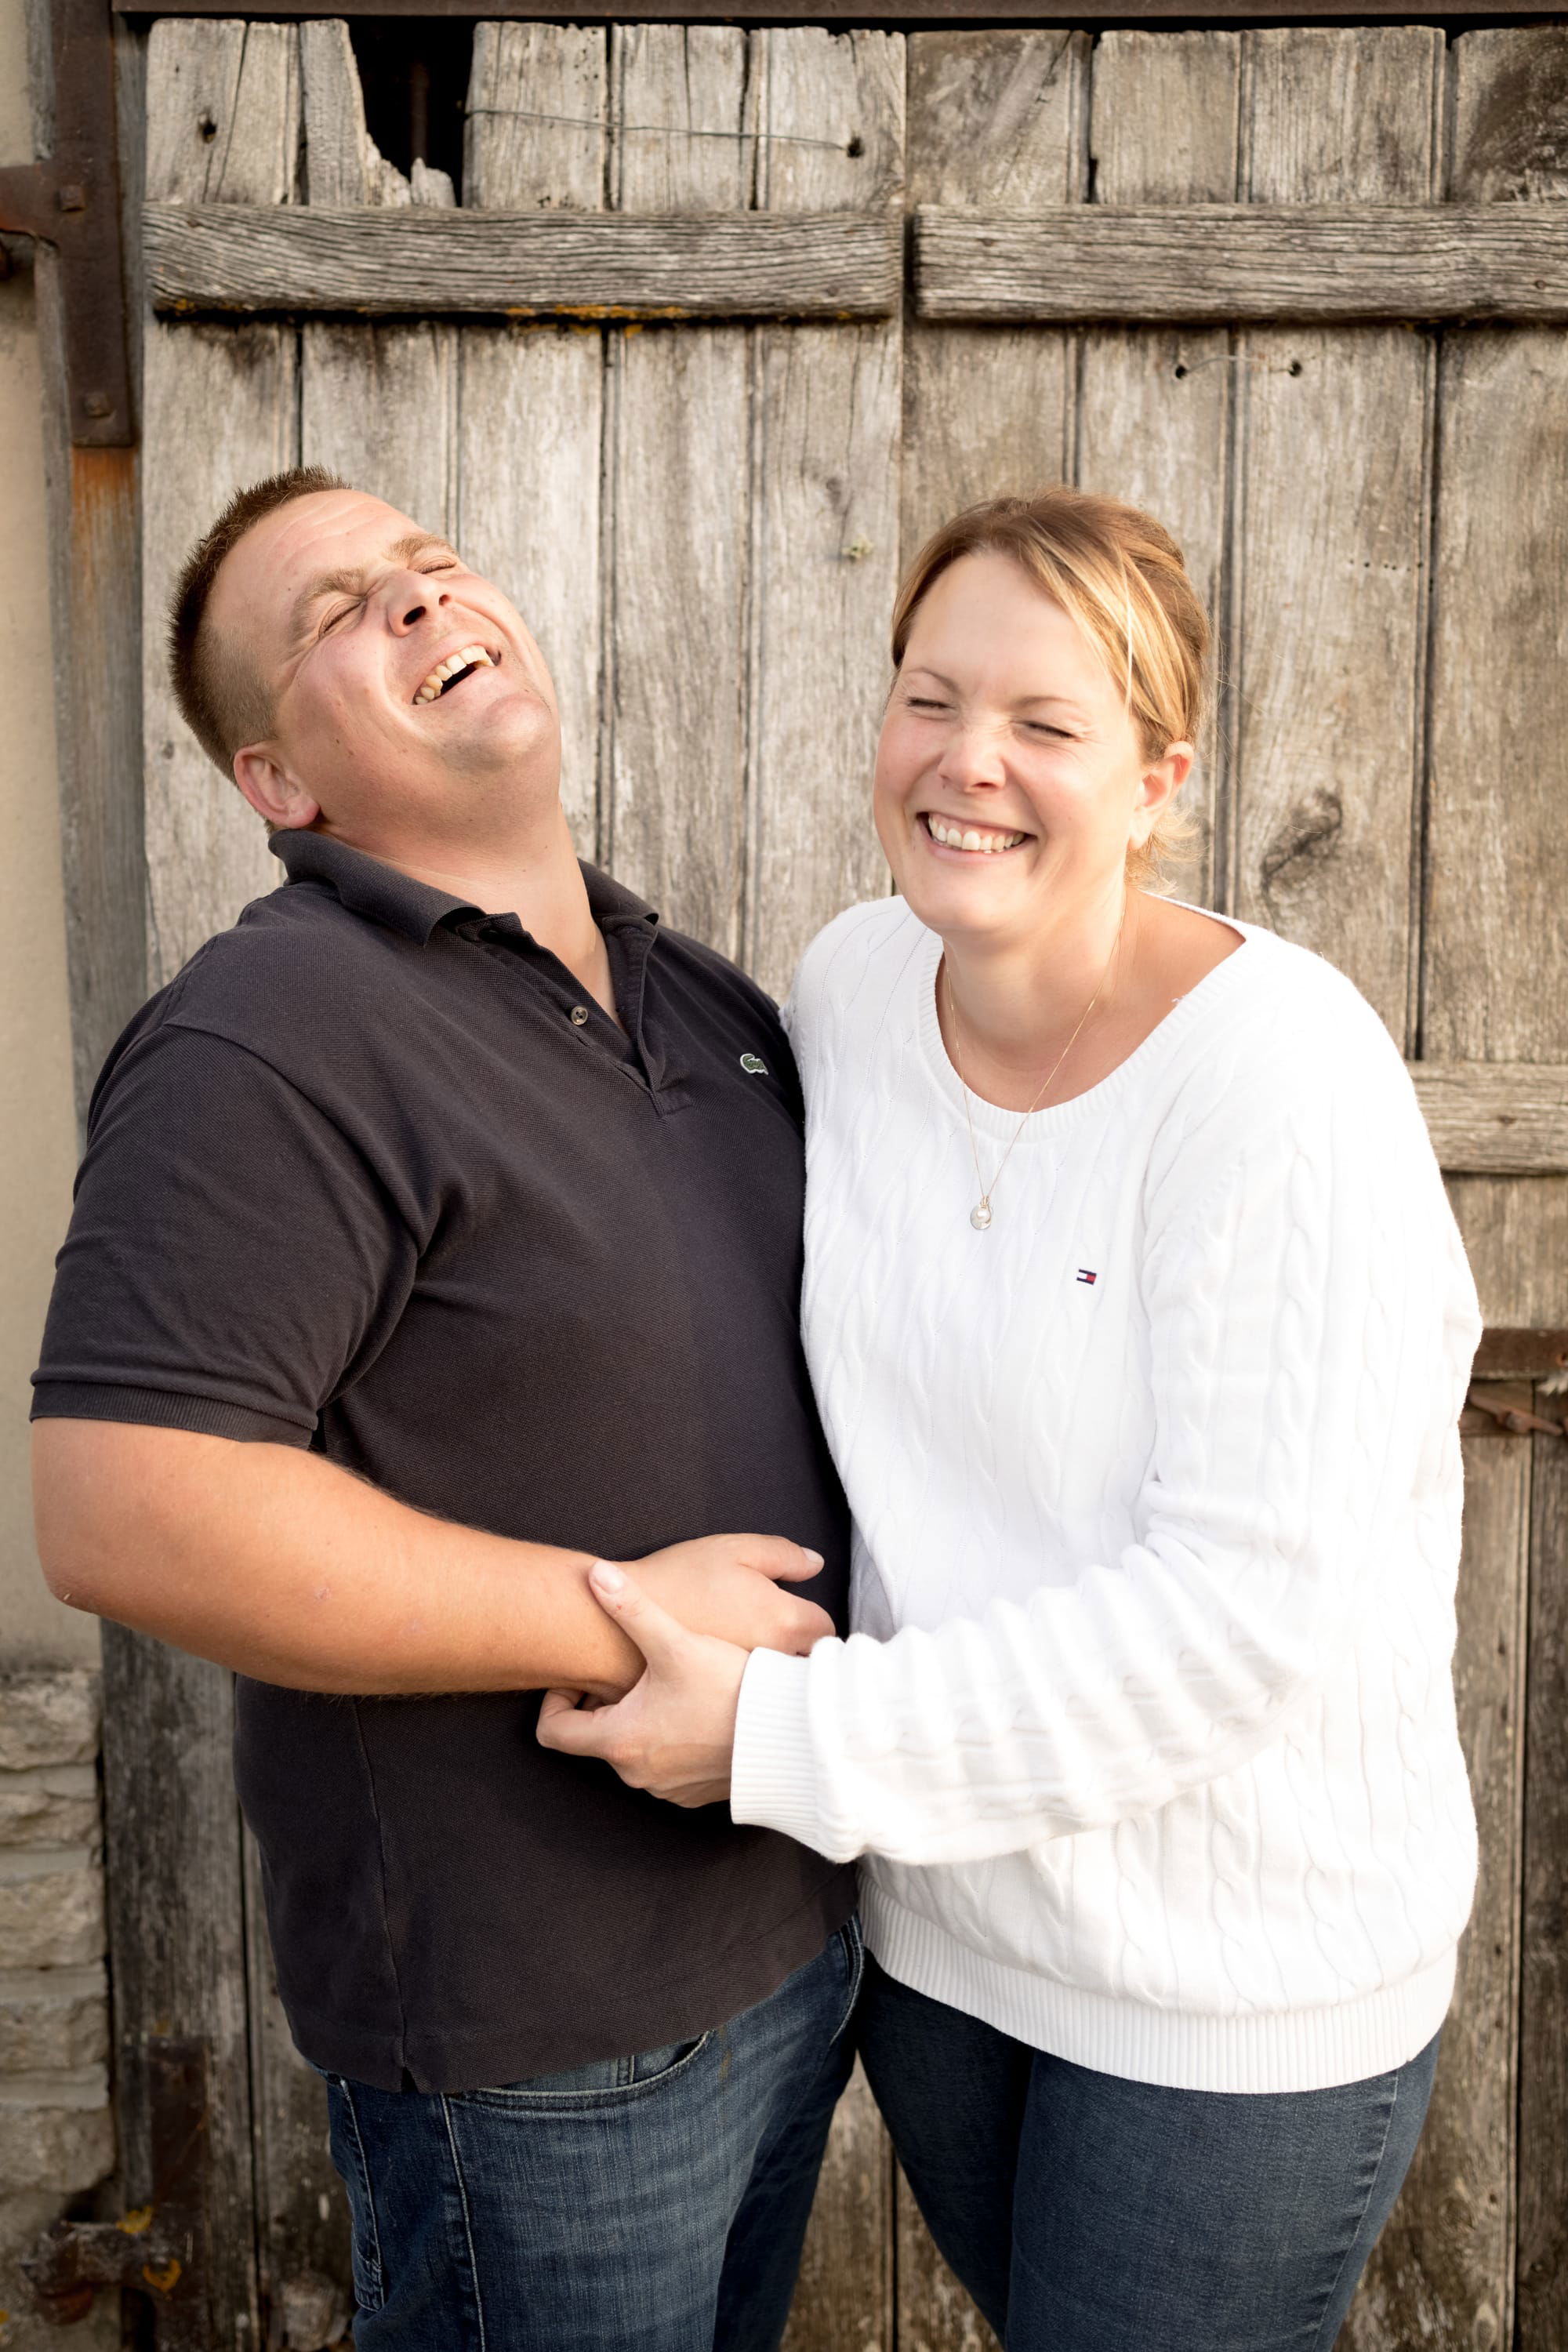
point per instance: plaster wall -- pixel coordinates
(37, 1136)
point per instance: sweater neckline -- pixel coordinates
(991, 1119)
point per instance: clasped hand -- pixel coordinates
(673, 1732)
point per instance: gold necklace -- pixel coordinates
(980, 1215)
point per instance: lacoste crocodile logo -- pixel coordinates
(753, 1065)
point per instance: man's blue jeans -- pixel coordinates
(646, 2204)
(1086, 2213)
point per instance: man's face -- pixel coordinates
(358, 621)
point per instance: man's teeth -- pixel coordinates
(449, 669)
(953, 836)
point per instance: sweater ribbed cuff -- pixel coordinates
(773, 1779)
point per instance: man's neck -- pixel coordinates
(537, 879)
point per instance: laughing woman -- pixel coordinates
(1140, 1327)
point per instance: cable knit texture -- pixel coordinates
(1146, 1729)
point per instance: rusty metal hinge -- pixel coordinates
(161, 2248)
(71, 203)
(1514, 1419)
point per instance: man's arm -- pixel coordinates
(270, 1560)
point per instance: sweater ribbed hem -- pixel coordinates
(1293, 2050)
(772, 1779)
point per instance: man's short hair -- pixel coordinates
(222, 696)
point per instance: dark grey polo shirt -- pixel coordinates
(373, 1175)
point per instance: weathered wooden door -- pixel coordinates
(704, 519)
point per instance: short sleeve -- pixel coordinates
(232, 1262)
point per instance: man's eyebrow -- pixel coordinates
(352, 583)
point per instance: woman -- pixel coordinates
(1140, 1328)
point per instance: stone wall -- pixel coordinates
(56, 2137)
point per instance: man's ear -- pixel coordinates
(273, 791)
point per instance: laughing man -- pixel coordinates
(439, 1232)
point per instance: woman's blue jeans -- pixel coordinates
(1085, 2214)
(647, 2204)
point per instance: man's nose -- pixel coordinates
(413, 599)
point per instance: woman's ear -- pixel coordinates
(273, 791)
(1158, 788)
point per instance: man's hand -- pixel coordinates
(674, 1732)
(728, 1587)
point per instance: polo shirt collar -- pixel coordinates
(369, 886)
(366, 885)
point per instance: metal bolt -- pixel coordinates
(70, 197)
(99, 403)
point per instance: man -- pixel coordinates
(438, 1233)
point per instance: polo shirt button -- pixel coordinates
(579, 1016)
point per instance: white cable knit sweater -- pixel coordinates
(1147, 1726)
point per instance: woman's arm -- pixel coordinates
(1299, 1318)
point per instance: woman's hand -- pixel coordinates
(674, 1732)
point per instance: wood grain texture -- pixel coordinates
(844, 2301)
(1154, 406)
(1494, 958)
(530, 412)
(1328, 609)
(537, 128)
(1542, 2288)
(223, 123)
(935, 2314)
(1442, 2271)
(245, 260)
(1501, 1119)
(679, 445)
(996, 118)
(824, 498)
(1224, 262)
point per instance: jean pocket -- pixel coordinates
(348, 2155)
(603, 2081)
(854, 1948)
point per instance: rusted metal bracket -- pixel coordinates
(1514, 1419)
(162, 2248)
(71, 203)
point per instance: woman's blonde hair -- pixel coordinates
(1121, 576)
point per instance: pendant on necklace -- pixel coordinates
(980, 1215)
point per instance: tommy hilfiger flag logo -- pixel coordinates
(1086, 1273)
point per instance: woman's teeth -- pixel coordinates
(953, 836)
(438, 676)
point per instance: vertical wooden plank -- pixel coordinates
(679, 449)
(1441, 2275)
(223, 126)
(1542, 2288)
(935, 2314)
(996, 119)
(1332, 466)
(1495, 965)
(825, 492)
(222, 123)
(1496, 957)
(844, 2301)
(530, 406)
(303, 2230)
(376, 404)
(1155, 404)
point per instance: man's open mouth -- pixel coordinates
(454, 670)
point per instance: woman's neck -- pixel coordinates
(1018, 1002)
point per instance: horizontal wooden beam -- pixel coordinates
(383, 263)
(915, 14)
(1496, 1119)
(1227, 262)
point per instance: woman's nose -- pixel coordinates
(973, 760)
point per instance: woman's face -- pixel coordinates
(1009, 773)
